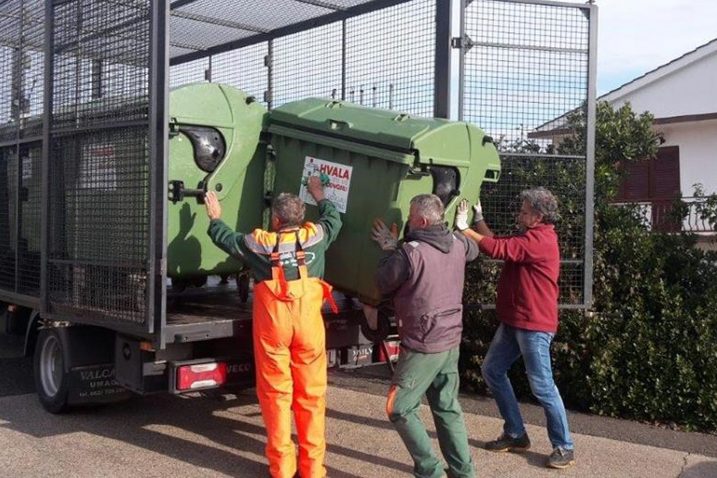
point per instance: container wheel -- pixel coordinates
(243, 287)
(382, 329)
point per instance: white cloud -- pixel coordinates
(636, 36)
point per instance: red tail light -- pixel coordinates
(205, 375)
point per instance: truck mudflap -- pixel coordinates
(95, 384)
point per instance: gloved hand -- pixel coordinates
(462, 215)
(315, 187)
(477, 213)
(386, 238)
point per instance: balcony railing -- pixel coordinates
(687, 214)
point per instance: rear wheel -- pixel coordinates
(51, 377)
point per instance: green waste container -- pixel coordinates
(214, 144)
(376, 162)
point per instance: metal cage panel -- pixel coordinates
(22, 33)
(246, 69)
(390, 60)
(526, 63)
(8, 231)
(376, 59)
(99, 196)
(83, 131)
(307, 64)
(188, 73)
(29, 247)
(565, 176)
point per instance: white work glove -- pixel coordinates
(386, 238)
(462, 215)
(477, 213)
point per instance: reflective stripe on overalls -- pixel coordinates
(290, 355)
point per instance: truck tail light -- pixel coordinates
(199, 376)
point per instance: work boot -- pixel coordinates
(561, 458)
(507, 443)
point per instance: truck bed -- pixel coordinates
(212, 311)
(216, 311)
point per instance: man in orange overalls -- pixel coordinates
(288, 329)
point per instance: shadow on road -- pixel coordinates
(700, 470)
(15, 370)
(143, 422)
(532, 458)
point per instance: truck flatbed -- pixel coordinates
(213, 311)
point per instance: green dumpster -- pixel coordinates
(214, 144)
(376, 162)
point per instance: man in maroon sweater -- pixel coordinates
(527, 307)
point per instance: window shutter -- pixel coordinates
(636, 182)
(665, 174)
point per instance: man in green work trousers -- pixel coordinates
(424, 276)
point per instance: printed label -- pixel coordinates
(339, 181)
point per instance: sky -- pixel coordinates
(636, 36)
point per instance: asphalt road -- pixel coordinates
(222, 434)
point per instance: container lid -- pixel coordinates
(427, 140)
(349, 121)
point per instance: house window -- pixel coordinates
(655, 183)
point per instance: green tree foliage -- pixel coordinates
(648, 349)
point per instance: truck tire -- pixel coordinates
(50, 370)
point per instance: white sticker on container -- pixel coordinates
(339, 181)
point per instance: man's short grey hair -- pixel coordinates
(543, 202)
(289, 209)
(428, 206)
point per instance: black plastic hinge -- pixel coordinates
(176, 191)
(464, 43)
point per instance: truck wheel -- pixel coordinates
(51, 377)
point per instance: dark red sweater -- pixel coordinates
(528, 285)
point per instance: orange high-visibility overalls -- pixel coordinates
(290, 355)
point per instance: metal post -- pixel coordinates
(462, 60)
(208, 71)
(96, 79)
(19, 98)
(18, 218)
(590, 157)
(343, 60)
(45, 160)
(78, 67)
(158, 160)
(270, 74)
(442, 64)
